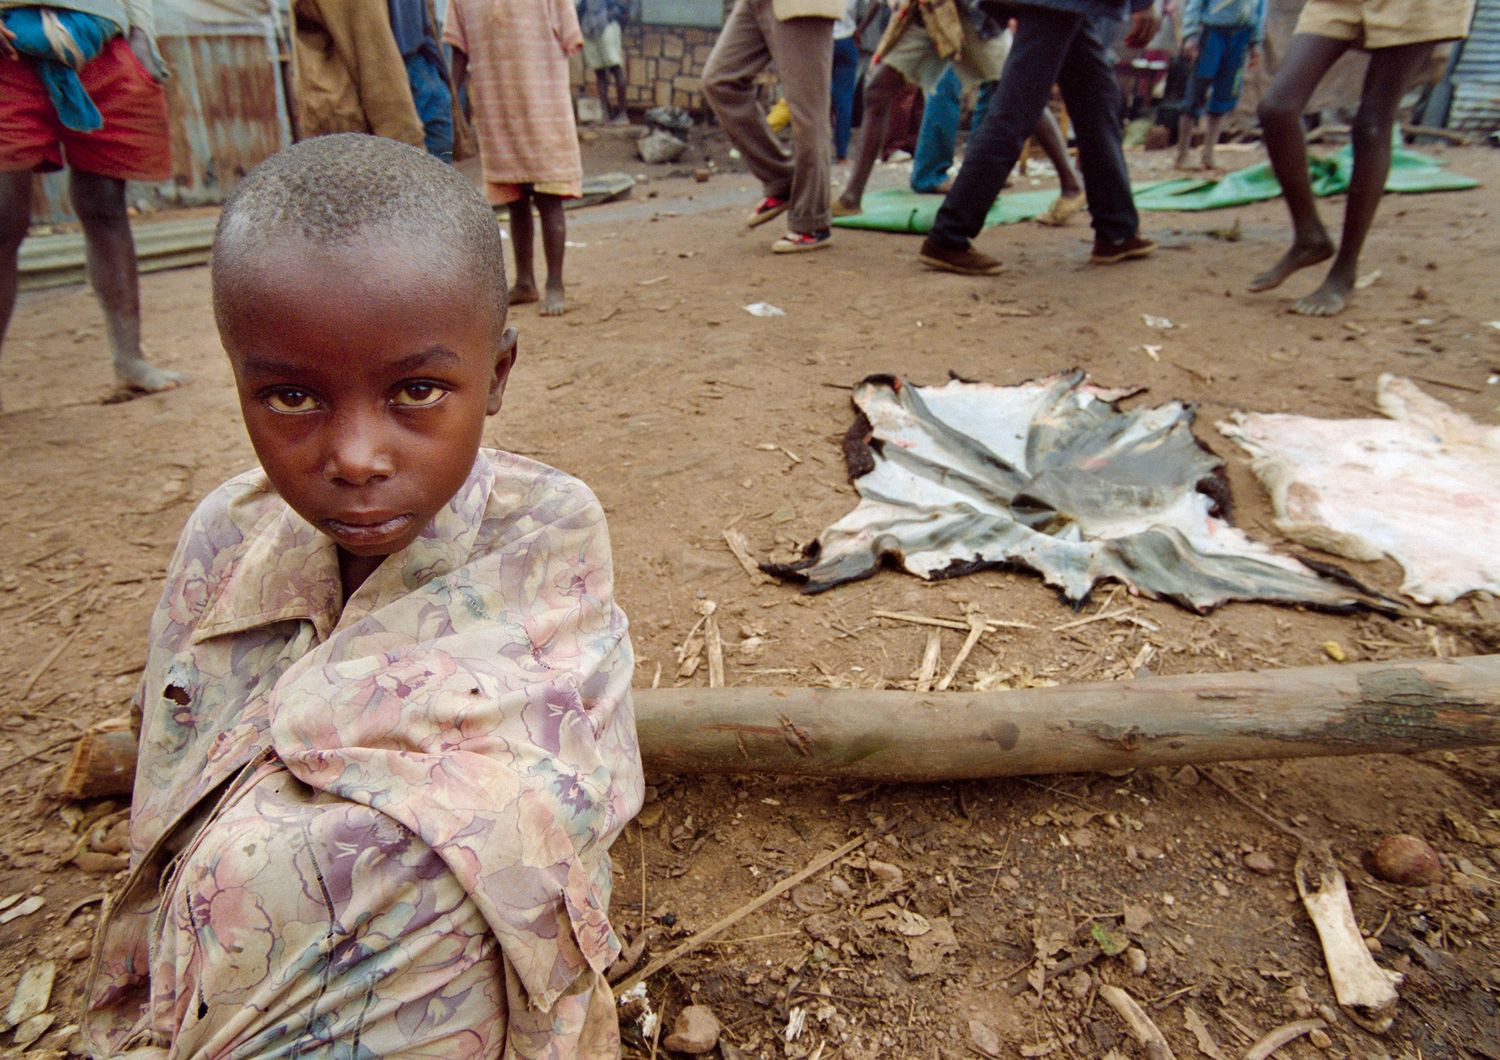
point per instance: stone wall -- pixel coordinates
(663, 65)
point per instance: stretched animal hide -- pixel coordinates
(1422, 487)
(1050, 475)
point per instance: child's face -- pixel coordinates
(365, 375)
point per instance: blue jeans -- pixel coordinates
(429, 89)
(845, 77)
(939, 133)
(1220, 66)
(1051, 47)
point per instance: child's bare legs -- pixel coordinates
(618, 73)
(15, 218)
(109, 249)
(1211, 138)
(549, 209)
(1307, 60)
(522, 241)
(1390, 72)
(1050, 136)
(554, 243)
(1186, 125)
(880, 91)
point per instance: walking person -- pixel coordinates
(1219, 38)
(796, 35)
(1058, 42)
(604, 52)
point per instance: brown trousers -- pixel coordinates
(802, 49)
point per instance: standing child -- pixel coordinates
(1218, 38)
(386, 736)
(514, 56)
(604, 53)
(1399, 36)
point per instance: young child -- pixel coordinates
(1399, 36)
(514, 55)
(386, 735)
(1218, 38)
(603, 52)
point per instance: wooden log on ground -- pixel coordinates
(1361, 708)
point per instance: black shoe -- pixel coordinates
(1107, 253)
(965, 262)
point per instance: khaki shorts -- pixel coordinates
(1376, 24)
(977, 60)
(604, 51)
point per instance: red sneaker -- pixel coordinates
(797, 242)
(768, 209)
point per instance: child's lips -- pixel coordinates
(371, 529)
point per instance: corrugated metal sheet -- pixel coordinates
(1476, 76)
(228, 112)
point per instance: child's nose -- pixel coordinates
(358, 453)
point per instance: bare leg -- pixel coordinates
(880, 91)
(554, 244)
(1307, 59)
(1185, 127)
(522, 241)
(1390, 72)
(601, 88)
(99, 203)
(15, 218)
(1050, 136)
(619, 76)
(1211, 139)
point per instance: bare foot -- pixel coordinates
(1182, 162)
(554, 305)
(1326, 300)
(1300, 256)
(524, 294)
(141, 377)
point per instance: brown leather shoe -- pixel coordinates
(966, 262)
(1106, 253)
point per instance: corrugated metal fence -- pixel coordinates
(228, 112)
(1476, 75)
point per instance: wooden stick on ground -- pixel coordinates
(1287, 1032)
(1141, 1027)
(817, 865)
(739, 544)
(931, 656)
(977, 626)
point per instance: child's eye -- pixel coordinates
(416, 395)
(291, 401)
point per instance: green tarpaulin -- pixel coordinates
(1410, 172)
(903, 210)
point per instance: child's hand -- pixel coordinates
(7, 49)
(1190, 49)
(141, 45)
(1254, 56)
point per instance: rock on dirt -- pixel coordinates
(984, 1038)
(1407, 860)
(1261, 862)
(695, 1032)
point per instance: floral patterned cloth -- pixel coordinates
(381, 829)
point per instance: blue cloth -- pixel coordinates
(434, 100)
(1051, 47)
(414, 35)
(938, 136)
(1196, 14)
(59, 71)
(1220, 66)
(845, 79)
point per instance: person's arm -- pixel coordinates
(7, 49)
(1144, 18)
(142, 37)
(460, 69)
(1192, 24)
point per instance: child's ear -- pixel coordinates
(505, 360)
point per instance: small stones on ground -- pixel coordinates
(1187, 776)
(1320, 1039)
(885, 872)
(839, 887)
(1406, 860)
(696, 1031)
(1261, 862)
(984, 1038)
(1135, 960)
(77, 952)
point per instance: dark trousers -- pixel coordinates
(845, 73)
(1051, 47)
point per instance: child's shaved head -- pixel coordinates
(351, 189)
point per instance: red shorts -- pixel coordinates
(133, 145)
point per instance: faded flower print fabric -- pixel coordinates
(378, 830)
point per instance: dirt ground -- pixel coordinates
(975, 920)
